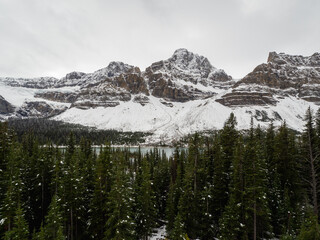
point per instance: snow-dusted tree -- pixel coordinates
(120, 223)
(20, 230)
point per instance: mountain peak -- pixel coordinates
(294, 60)
(185, 59)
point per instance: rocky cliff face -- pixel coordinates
(176, 96)
(281, 76)
(184, 77)
(5, 106)
(38, 83)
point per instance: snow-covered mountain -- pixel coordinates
(172, 97)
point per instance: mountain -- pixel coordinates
(284, 75)
(172, 97)
(183, 77)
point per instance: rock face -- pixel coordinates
(172, 97)
(283, 75)
(238, 98)
(117, 86)
(5, 106)
(38, 83)
(39, 109)
(183, 77)
(65, 97)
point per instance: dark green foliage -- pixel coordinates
(145, 212)
(57, 132)
(102, 186)
(310, 229)
(120, 224)
(54, 221)
(256, 184)
(223, 157)
(20, 230)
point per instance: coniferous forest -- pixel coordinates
(255, 184)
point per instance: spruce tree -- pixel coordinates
(310, 228)
(120, 224)
(311, 160)
(233, 219)
(145, 204)
(20, 230)
(190, 206)
(103, 179)
(255, 207)
(54, 220)
(222, 165)
(175, 188)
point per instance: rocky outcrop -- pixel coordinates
(183, 77)
(142, 99)
(133, 82)
(247, 99)
(285, 71)
(38, 83)
(71, 79)
(39, 109)
(65, 97)
(89, 104)
(5, 106)
(282, 75)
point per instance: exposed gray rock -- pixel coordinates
(142, 99)
(88, 104)
(66, 97)
(171, 78)
(246, 99)
(39, 109)
(5, 106)
(283, 75)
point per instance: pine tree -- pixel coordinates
(233, 220)
(36, 166)
(222, 165)
(175, 188)
(7, 145)
(145, 204)
(311, 160)
(160, 186)
(190, 206)
(120, 224)
(102, 187)
(178, 232)
(54, 220)
(41, 235)
(310, 228)
(20, 230)
(15, 187)
(256, 222)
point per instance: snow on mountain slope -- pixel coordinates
(170, 123)
(171, 98)
(17, 96)
(185, 76)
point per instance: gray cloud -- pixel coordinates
(42, 37)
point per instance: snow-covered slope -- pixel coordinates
(171, 123)
(171, 99)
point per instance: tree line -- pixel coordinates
(57, 132)
(255, 184)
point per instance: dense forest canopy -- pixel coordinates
(259, 184)
(57, 132)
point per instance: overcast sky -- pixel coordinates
(54, 37)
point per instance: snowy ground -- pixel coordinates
(17, 96)
(167, 123)
(160, 234)
(170, 123)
